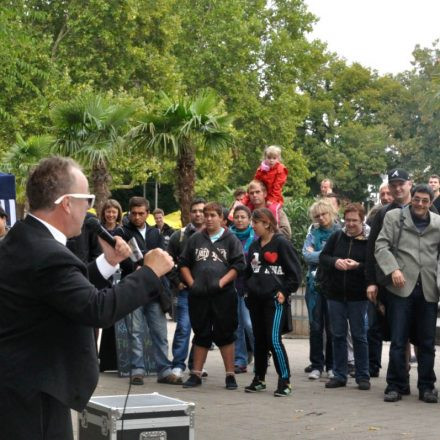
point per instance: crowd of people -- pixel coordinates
(370, 277)
(374, 280)
(361, 287)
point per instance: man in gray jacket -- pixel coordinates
(413, 293)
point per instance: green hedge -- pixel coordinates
(297, 213)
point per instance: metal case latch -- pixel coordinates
(84, 421)
(156, 435)
(104, 425)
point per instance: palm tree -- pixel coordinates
(90, 129)
(176, 129)
(22, 157)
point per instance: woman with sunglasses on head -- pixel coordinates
(324, 218)
(273, 273)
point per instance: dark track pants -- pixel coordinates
(267, 318)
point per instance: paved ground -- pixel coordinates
(311, 412)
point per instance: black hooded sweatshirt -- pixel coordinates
(204, 263)
(280, 255)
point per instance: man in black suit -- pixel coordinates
(48, 307)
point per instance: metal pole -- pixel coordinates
(156, 194)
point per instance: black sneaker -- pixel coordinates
(429, 396)
(392, 396)
(334, 383)
(284, 389)
(256, 386)
(308, 369)
(192, 381)
(406, 391)
(364, 385)
(374, 373)
(231, 383)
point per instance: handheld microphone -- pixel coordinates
(137, 254)
(92, 223)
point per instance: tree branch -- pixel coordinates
(61, 34)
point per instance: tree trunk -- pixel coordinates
(101, 182)
(186, 176)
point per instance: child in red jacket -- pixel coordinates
(273, 174)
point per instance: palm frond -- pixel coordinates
(90, 128)
(205, 103)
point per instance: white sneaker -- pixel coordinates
(177, 372)
(314, 375)
(330, 374)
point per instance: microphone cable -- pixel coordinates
(129, 328)
(129, 377)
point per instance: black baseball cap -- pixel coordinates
(398, 174)
(3, 213)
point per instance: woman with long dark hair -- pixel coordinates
(242, 229)
(273, 273)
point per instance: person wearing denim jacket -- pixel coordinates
(325, 223)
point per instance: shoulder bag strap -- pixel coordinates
(216, 251)
(274, 276)
(396, 246)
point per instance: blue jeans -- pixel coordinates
(318, 324)
(183, 331)
(356, 313)
(244, 329)
(406, 314)
(157, 324)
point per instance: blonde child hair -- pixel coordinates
(273, 150)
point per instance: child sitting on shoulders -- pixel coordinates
(273, 174)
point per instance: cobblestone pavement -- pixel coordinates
(311, 412)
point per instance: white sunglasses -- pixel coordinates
(89, 197)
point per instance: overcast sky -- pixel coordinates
(380, 34)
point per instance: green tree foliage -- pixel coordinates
(22, 156)
(332, 119)
(255, 55)
(297, 211)
(123, 44)
(28, 78)
(345, 135)
(416, 121)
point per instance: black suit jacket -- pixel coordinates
(48, 308)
